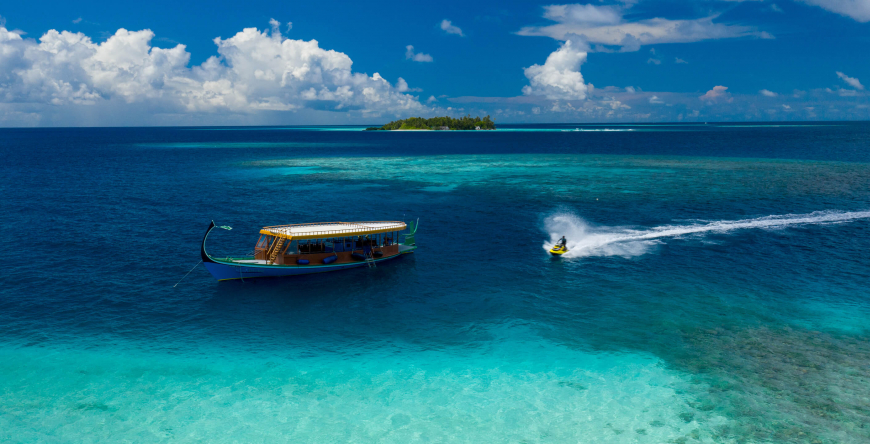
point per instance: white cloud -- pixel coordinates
(559, 77)
(448, 27)
(678, 60)
(607, 25)
(654, 61)
(431, 99)
(255, 70)
(67, 67)
(851, 81)
(611, 104)
(614, 104)
(767, 93)
(775, 8)
(417, 57)
(630, 89)
(402, 86)
(585, 14)
(78, 20)
(718, 93)
(856, 9)
(556, 108)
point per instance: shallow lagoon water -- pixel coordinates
(728, 303)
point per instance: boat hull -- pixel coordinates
(224, 271)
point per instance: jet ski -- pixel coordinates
(558, 250)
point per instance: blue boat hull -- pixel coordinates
(223, 271)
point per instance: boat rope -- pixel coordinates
(194, 267)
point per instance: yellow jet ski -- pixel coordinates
(560, 248)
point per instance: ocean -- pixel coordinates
(717, 288)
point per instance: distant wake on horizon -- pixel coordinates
(585, 240)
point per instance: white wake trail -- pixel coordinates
(588, 240)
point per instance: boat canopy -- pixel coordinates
(318, 230)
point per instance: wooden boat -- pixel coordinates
(287, 250)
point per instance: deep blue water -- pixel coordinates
(717, 289)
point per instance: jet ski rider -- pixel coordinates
(562, 242)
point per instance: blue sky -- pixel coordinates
(159, 63)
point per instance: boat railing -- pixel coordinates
(241, 256)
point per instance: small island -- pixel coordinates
(438, 123)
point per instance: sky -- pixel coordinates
(103, 63)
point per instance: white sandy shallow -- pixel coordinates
(526, 391)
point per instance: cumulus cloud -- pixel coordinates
(448, 27)
(655, 100)
(253, 71)
(678, 61)
(65, 67)
(559, 77)
(654, 61)
(851, 81)
(718, 93)
(856, 9)
(402, 86)
(767, 93)
(417, 57)
(607, 25)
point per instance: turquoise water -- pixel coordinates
(392, 395)
(716, 288)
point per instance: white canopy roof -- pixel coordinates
(332, 229)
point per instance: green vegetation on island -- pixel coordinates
(439, 123)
